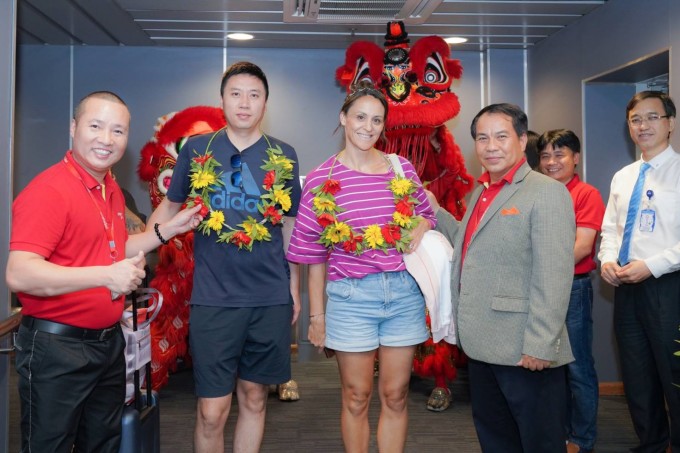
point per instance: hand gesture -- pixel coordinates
(634, 272)
(183, 221)
(532, 363)
(610, 272)
(127, 275)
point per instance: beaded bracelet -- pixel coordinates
(158, 233)
(318, 314)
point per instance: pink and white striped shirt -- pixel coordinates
(366, 200)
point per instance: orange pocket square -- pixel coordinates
(511, 211)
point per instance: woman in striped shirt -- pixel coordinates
(357, 216)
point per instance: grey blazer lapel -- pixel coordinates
(466, 218)
(503, 196)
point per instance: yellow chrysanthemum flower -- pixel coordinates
(400, 186)
(260, 231)
(338, 232)
(216, 220)
(324, 204)
(202, 179)
(283, 162)
(282, 198)
(400, 219)
(373, 236)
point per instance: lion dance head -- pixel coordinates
(416, 81)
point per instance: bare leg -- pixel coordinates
(356, 378)
(395, 373)
(252, 408)
(211, 416)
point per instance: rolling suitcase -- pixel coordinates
(141, 415)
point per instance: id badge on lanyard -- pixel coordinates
(648, 215)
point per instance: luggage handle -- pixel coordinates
(157, 302)
(136, 298)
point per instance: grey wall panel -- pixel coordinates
(505, 76)
(606, 149)
(42, 110)
(614, 35)
(8, 11)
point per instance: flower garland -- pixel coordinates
(395, 234)
(274, 203)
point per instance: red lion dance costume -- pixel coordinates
(175, 269)
(416, 83)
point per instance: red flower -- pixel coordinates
(391, 233)
(331, 186)
(404, 207)
(272, 214)
(350, 245)
(204, 209)
(269, 179)
(325, 219)
(241, 239)
(202, 159)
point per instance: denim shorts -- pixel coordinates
(384, 309)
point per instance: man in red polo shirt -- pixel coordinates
(559, 153)
(71, 264)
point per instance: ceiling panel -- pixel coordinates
(72, 19)
(507, 24)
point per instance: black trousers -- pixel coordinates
(72, 392)
(646, 322)
(516, 410)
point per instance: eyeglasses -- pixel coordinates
(652, 118)
(236, 176)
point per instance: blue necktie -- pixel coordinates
(633, 207)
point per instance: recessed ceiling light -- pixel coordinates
(240, 36)
(455, 40)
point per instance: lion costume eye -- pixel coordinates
(163, 181)
(363, 72)
(434, 70)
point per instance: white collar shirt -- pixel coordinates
(660, 248)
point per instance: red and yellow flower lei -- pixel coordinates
(273, 204)
(395, 234)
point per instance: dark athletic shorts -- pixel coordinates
(252, 344)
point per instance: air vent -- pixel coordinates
(358, 11)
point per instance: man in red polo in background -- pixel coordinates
(72, 263)
(559, 153)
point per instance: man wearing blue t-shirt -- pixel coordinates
(242, 304)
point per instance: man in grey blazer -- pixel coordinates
(511, 280)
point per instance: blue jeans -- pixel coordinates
(582, 386)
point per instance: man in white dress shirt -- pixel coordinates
(640, 256)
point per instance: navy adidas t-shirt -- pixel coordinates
(225, 276)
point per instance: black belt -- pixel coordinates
(65, 330)
(580, 276)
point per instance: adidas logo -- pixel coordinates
(231, 197)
